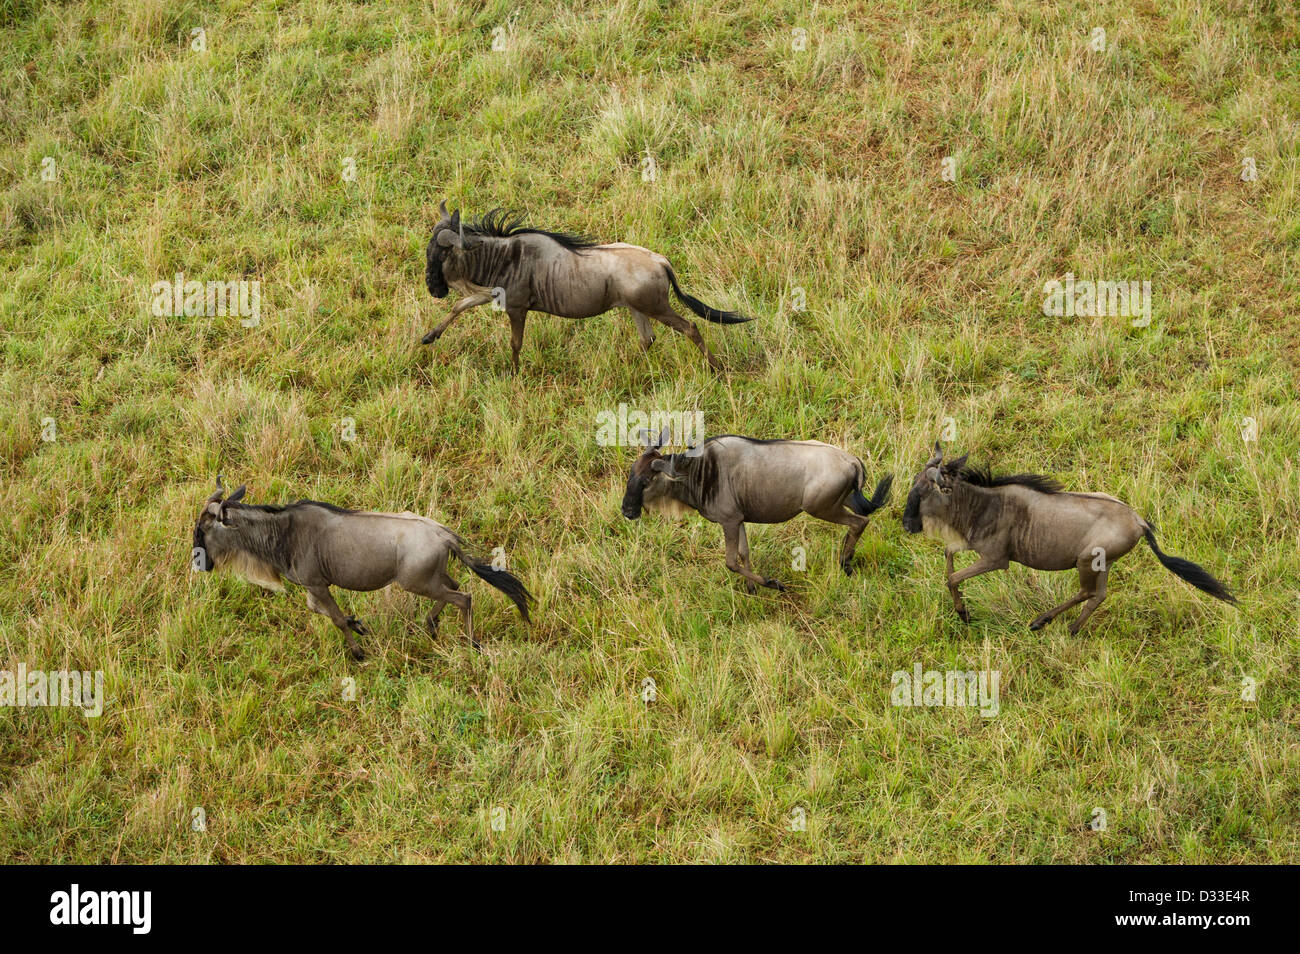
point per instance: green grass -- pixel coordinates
(777, 170)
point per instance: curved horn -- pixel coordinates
(442, 209)
(938, 456)
(665, 435)
(220, 492)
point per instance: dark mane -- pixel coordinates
(982, 477)
(752, 440)
(503, 223)
(281, 508)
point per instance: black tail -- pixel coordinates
(861, 505)
(507, 583)
(1196, 575)
(701, 309)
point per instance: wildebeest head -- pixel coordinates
(931, 491)
(649, 468)
(213, 515)
(448, 237)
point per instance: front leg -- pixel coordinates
(734, 534)
(985, 564)
(462, 306)
(957, 601)
(320, 600)
(517, 319)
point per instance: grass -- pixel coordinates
(781, 174)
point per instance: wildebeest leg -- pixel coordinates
(442, 589)
(320, 600)
(957, 601)
(431, 621)
(517, 319)
(462, 306)
(445, 590)
(1098, 589)
(643, 328)
(1086, 582)
(686, 327)
(734, 534)
(984, 564)
(856, 523)
(742, 552)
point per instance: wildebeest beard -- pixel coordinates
(434, 278)
(201, 550)
(912, 512)
(695, 479)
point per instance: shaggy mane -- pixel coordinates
(281, 508)
(982, 477)
(503, 223)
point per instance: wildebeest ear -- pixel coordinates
(932, 474)
(664, 465)
(451, 235)
(955, 466)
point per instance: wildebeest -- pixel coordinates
(522, 269)
(318, 545)
(1030, 519)
(732, 480)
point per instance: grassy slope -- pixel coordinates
(777, 170)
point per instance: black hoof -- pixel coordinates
(430, 338)
(357, 626)
(1035, 626)
(775, 584)
(964, 615)
(847, 568)
(358, 654)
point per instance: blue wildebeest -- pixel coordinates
(733, 480)
(1029, 519)
(522, 269)
(317, 545)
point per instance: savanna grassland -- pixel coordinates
(781, 176)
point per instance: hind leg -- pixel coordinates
(443, 590)
(1098, 594)
(842, 515)
(438, 586)
(675, 321)
(1087, 580)
(643, 329)
(431, 621)
(320, 600)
